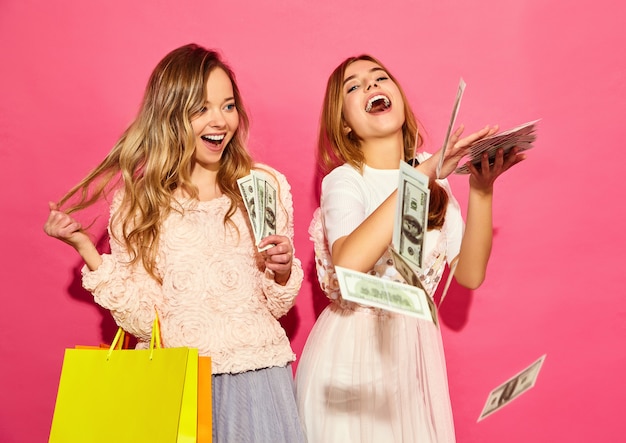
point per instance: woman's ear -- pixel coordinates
(346, 128)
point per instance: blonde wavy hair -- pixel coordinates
(154, 156)
(336, 146)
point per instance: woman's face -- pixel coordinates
(216, 123)
(372, 103)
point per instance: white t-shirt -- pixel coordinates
(348, 198)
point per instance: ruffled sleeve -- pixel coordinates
(280, 299)
(323, 262)
(124, 289)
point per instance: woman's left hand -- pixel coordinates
(482, 179)
(279, 257)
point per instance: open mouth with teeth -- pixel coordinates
(378, 103)
(215, 139)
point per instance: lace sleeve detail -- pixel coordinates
(323, 263)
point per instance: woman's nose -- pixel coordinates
(217, 120)
(371, 84)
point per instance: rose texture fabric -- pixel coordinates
(215, 293)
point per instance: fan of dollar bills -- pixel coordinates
(259, 196)
(521, 136)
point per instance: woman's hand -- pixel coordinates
(64, 227)
(482, 180)
(279, 257)
(455, 150)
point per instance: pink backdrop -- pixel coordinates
(72, 75)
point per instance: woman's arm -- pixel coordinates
(361, 249)
(477, 239)
(125, 290)
(284, 275)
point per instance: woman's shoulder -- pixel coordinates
(344, 173)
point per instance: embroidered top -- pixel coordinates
(216, 294)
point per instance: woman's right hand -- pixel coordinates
(455, 150)
(64, 227)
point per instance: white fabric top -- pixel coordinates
(348, 198)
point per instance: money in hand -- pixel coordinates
(455, 111)
(259, 196)
(512, 388)
(522, 137)
(411, 215)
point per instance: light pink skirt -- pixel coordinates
(369, 376)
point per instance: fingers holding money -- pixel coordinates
(279, 257)
(491, 169)
(458, 147)
(465, 142)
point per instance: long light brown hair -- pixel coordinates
(336, 146)
(154, 156)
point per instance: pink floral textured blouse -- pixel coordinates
(216, 294)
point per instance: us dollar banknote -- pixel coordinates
(512, 388)
(376, 292)
(247, 189)
(259, 196)
(411, 215)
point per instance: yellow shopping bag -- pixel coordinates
(110, 395)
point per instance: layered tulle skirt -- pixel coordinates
(369, 376)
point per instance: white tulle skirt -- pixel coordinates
(369, 376)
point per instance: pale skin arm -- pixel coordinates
(377, 229)
(477, 239)
(65, 228)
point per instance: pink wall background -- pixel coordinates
(72, 75)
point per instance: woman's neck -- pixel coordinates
(384, 153)
(206, 182)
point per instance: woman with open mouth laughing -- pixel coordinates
(182, 244)
(368, 375)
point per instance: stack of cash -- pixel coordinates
(521, 136)
(259, 196)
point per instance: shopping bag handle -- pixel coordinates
(155, 337)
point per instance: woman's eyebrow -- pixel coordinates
(374, 69)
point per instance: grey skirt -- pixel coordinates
(256, 407)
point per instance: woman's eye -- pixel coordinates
(351, 88)
(380, 79)
(202, 110)
(230, 107)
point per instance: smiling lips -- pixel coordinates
(377, 103)
(215, 139)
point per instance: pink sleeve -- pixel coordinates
(125, 290)
(280, 299)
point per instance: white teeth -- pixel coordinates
(371, 101)
(214, 137)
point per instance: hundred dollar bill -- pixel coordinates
(265, 197)
(374, 291)
(410, 275)
(259, 200)
(411, 215)
(269, 213)
(455, 111)
(512, 388)
(268, 220)
(246, 187)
